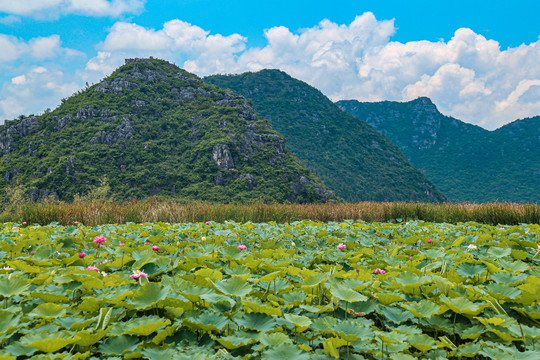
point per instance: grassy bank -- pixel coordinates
(158, 210)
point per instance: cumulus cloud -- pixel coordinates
(54, 8)
(37, 48)
(36, 90)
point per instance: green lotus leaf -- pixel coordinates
(14, 286)
(257, 321)
(87, 338)
(24, 266)
(144, 325)
(470, 270)
(48, 310)
(89, 304)
(285, 351)
(515, 266)
(16, 349)
(217, 298)
(119, 345)
(238, 339)
(92, 283)
(49, 341)
(206, 320)
(348, 295)
(270, 277)
(531, 311)
(462, 305)
(422, 342)
(402, 356)
(509, 279)
(314, 280)
(164, 333)
(300, 322)
(472, 332)
(387, 298)
(254, 305)
(233, 286)
(159, 354)
(274, 339)
(496, 351)
(239, 271)
(470, 349)
(295, 298)
(424, 308)
(351, 330)
(316, 309)
(503, 291)
(498, 252)
(148, 295)
(9, 321)
(395, 315)
(410, 280)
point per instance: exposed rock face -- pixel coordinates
(10, 174)
(115, 86)
(13, 131)
(87, 112)
(251, 183)
(35, 194)
(124, 131)
(222, 157)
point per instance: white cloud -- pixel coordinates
(9, 20)
(37, 48)
(54, 8)
(34, 91)
(468, 77)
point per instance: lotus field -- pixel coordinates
(305, 290)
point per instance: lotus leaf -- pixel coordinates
(285, 351)
(424, 308)
(352, 330)
(410, 281)
(395, 315)
(238, 339)
(8, 321)
(503, 291)
(470, 270)
(119, 345)
(206, 320)
(49, 341)
(273, 339)
(148, 295)
(301, 323)
(257, 321)
(17, 349)
(462, 305)
(159, 354)
(48, 310)
(253, 305)
(235, 286)
(87, 338)
(14, 286)
(348, 295)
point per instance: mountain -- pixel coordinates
(351, 157)
(151, 128)
(466, 162)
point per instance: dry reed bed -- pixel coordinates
(162, 210)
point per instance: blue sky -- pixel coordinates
(478, 60)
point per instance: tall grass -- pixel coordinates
(93, 212)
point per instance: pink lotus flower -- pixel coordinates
(82, 254)
(76, 223)
(139, 274)
(122, 244)
(207, 223)
(379, 271)
(410, 258)
(24, 223)
(100, 240)
(146, 243)
(92, 268)
(155, 248)
(429, 241)
(341, 246)
(242, 247)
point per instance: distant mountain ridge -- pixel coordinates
(464, 161)
(351, 157)
(151, 128)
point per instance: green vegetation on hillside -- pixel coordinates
(151, 128)
(464, 161)
(349, 156)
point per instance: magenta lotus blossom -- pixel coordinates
(379, 271)
(76, 223)
(82, 254)
(410, 258)
(429, 241)
(122, 244)
(100, 240)
(146, 243)
(341, 246)
(92, 268)
(24, 223)
(138, 274)
(155, 248)
(207, 223)
(242, 247)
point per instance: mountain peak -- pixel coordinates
(152, 128)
